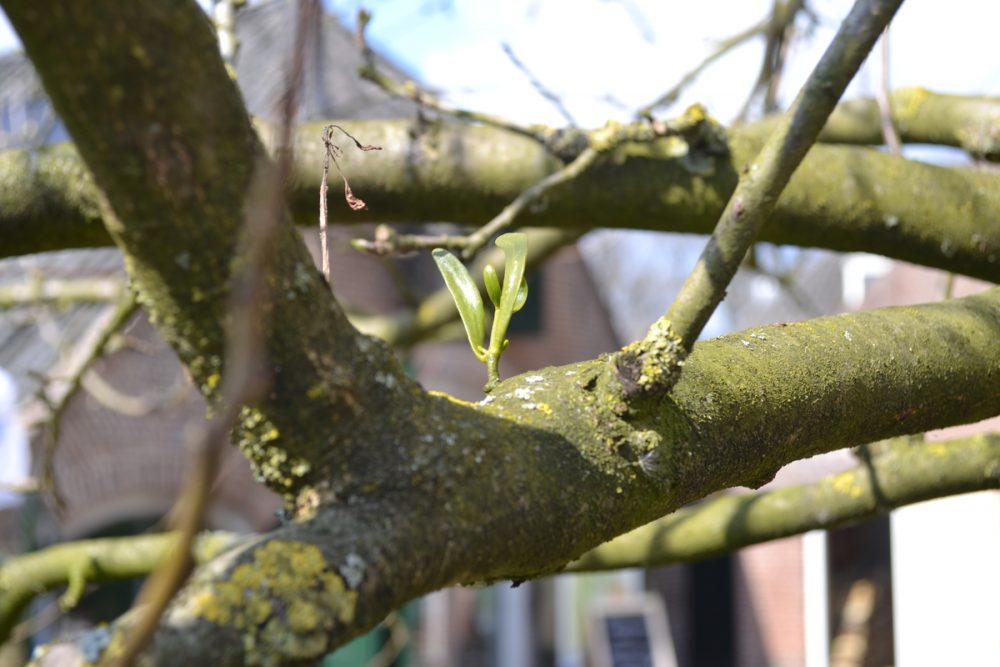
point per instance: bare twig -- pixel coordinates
(331, 151)
(410, 91)
(891, 136)
(539, 86)
(127, 307)
(778, 30)
(693, 125)
(387, 242)
(246, 376)
(722, 48)
(764, 179)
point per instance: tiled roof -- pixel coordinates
(47, 341)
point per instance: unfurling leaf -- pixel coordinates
(492, 284)
(466, 295)
(515, 249)
(522, 295)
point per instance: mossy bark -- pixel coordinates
(936, 216)
(920, 116)
(894, 473)
(383, 474)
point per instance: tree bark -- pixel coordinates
(382, 474)
(466, 174)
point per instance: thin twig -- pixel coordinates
(410, 91)
(722, 48)
(331, 151)
(539, 86)
(778, 30)
(694, 123)
(764, 179)
(889, 132)
(127, 306)
(246, 376)
(387, 242)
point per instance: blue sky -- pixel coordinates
(632, 50)
(588, 51)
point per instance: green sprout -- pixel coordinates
(507, 297)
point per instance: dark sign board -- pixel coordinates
(630, 631)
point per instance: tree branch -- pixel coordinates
(40, 289)
(24, 577)
(559, 460)
(450, 171)
(767, 175)
(904, 471)
(920, 116)
(380, 473)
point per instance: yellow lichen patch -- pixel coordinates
(286, 602)
(544, 407)
(938, 450)
(847, 484)
(453, 399)
(912, 99)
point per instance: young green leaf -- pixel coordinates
(492, 284)
(466, 295)
(522, 295)
(515, 248)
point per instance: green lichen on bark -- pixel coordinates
(920, 116)
(285, 603)
(653, 364)
(556, 461)
(470, 173)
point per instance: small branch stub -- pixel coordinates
(653, 364)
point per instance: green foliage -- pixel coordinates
(507, 298)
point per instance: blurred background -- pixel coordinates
(919, 587)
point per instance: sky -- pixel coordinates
(605, 58)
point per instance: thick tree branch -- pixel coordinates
(920, 116)
(902, 472)
(381, 473)
(177, 184)
(449, 171)
(559, 460)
